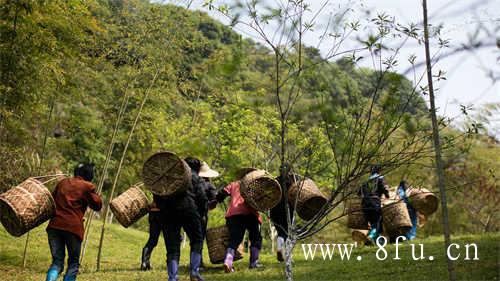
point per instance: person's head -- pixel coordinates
(376, 169)
(285, 169)
(402, 184)
(206, 172)
(85, 171)
(193, 163)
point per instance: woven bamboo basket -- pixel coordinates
(129, 206)
(423, 200)
(309, 201)
(166, 174)
(360, 235)
(355, 217)
(217, 243)
(25, 207)
(395, 217)
(260, 190)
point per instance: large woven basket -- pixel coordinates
(260, 190)
(355, 216)
(129, 206)
(360, 235)
(217, 243)
(309, 201)
(25, 207)
(396, 219)
(423, 200)
(166, 174)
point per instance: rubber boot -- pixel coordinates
(279, 249)
(145, 259)
(228, 261)
(69, 278)
(254, 258)
(52, 274)
(373, 235)
(172, 269)
(195, 267)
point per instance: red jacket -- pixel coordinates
(72, 196)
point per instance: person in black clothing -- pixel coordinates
(371, 192)
(184, 210)
(155, 229)
(207, 174)
(278, 213)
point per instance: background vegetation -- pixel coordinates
(66, 66)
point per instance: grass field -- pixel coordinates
(121, 257)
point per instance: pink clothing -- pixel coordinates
(238, 206)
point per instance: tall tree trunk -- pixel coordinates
(437, 145)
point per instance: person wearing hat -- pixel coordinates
(65, 231)
(184, 211)
(371, 192)
(240, 217)
(206, 173)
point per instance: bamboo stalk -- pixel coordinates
(437, 145)
(101, 240)
(42, 157)
(106, 165)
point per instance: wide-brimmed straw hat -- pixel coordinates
(206, 172)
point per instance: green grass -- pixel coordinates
(122, 249)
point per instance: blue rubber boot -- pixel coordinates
(254, 258)
(195, 267)
(172, 269)
(373, 235)
(52, 274)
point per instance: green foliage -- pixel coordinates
(212, 96)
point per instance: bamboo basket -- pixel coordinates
(260, 190)
(165, 174)
(360, 235)
(309, 201)
(129, 206)
(355, 217)
(395, 217)
(25, 207)
(423, 200)
(217, 243)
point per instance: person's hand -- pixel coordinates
(212, 204)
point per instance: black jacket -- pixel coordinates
(194, 198)
(278, 212)
(372, 190)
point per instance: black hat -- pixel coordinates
(193, 163)
(86, 171)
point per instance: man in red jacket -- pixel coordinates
(65, 231)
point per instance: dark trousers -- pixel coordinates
(155, 229)
(282, 228)
(373, 213)
(59, 241)
(204, 225)
(238, 224)
(190, 221)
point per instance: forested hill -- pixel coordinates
(67, 67)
